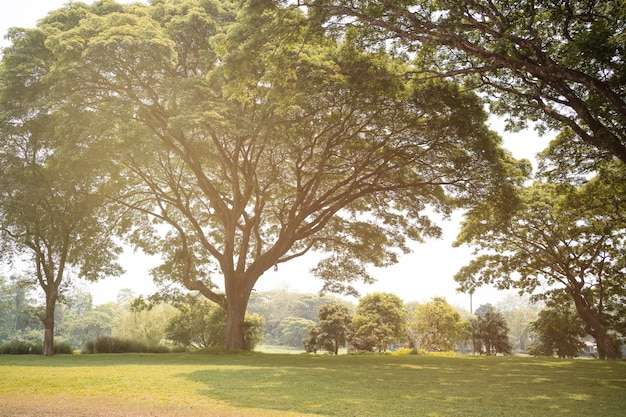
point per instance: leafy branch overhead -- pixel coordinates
(560, 63)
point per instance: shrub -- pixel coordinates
(20, 348)
(408, 351)
(117, 345)
(63, 348)
(25, 348)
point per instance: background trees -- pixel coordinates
(294, 330)
(288, 315)
(436, 326)
(255, 140)
(489, 332)
(18, 314)
(379, 322)
(332, 332)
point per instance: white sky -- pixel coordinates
(421, 275)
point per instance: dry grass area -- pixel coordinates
(42, 406)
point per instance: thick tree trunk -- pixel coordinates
(237, 297)
(48, 323)
(595, 328)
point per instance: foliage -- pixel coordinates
(29, 348)
(294, 330)
(18, 313)
(567, 239)
(332, 332)
(51, 216)
(252, 331)
(560, 331)
(145, 326)
(436, 326)
(489, 333)
(288, 315)
(242, 139)
(93, 324)
(307, 386)
(521, 331)
(115, 345)
(200, 323)
(557, 62)
(379, 322)
(520, 310)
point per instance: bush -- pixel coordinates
(26, 348)
(116, 345)
(63, 348)
(408, 351)
(20, 348)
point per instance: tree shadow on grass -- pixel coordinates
(416, 386)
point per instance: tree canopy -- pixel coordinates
(379, 322)
(332, 332)
(489, 332)
(560, 63)
(559, 331)
(50, 214)
(242, 138)
(436, 326)
(564, 242)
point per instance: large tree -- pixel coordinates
(252, 140)
(559, 62)
(49, 215)
(563, 241)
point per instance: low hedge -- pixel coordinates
(116, 345)
(26, 348)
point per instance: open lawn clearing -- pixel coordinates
(296, 385)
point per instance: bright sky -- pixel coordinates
(421, 275)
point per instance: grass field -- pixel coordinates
(298, 385)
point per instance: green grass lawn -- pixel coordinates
(297, 385)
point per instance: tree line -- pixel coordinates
(231, 137)
(305, 322)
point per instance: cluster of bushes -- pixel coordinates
(25, 348)
(117, 345)
(100, 345)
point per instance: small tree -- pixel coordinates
(560, 331)
(379, 322)
(310, 342)
(332, 332)
(436, 326)
(489, 333)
